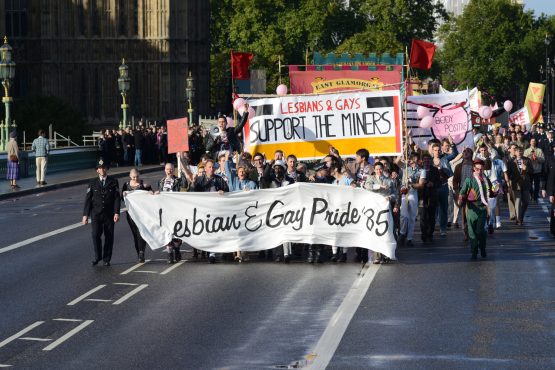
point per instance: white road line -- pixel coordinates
(39, 237)
(81, 297)
(37, 339)
(98, 300)
(68, 335)
(146, 271)
(134, 267)
(71, 320)
(170, 269)
(130, 294)
(330, 339)
(3, 365)
(20, 333)
(129, 284)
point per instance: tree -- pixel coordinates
(34, 113)
(494, 45)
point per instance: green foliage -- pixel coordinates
(496, 46)
(39, 112)
(285, 30)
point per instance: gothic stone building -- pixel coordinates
(72, 49)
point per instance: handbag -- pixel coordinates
(13, 158)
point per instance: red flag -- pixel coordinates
(421, 54)
(240, 65)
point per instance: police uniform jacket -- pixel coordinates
(102, 200)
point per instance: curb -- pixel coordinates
(66, 184)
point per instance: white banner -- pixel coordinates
(264, 219)
(308, 125)
(451, 114)
(520, 117)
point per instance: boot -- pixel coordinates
(310, 254)
(170, 256)
(343, 257)
(195, 253)
(334, 258)
(177, 254)
(319, 255)
(142, 257)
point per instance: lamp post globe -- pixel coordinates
(124, 85)
(7, 74)
(190, 92)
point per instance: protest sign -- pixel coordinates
(451, 116)
(308, 125)
(178, 135)
(520, 117)
(264, 219)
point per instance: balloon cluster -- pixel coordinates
(487, 112)
(239, 106)
(426, 120)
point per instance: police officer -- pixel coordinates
(102, 203)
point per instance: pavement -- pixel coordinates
(59, 180)
(432, 309)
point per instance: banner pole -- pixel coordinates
(406, 175)
(279, 68)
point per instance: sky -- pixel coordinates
(540, 6)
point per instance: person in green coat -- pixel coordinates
(474, 193)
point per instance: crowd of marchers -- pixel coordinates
(442, 189)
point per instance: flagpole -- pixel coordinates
(406, 174)
(233, 89)
(279, 68)
(306, 58)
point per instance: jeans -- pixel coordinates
(138, 153)
(443, 206)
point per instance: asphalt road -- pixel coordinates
(434, 309)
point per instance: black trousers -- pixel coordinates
(552, 219)
(427, 216)
(140, 243)
(103, 225)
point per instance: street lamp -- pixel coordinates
(7, 74)
(190, 91)
(124, 84)
(547, 68)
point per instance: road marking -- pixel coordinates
(39, 237)
(130, 294)
(80, 298)
(37, 339)
(98, 300)
(330, 339)
(134, 267)
(146, 271)
(20, 333)
(170, 269)
(3, 365)
(71, 320)
(68, 335)
(129, 284)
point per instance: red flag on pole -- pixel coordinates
(240, 65)
(421, 54)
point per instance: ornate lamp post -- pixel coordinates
(190, 91)
(7, 74)
(124, 84)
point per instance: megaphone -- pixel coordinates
(214, 131)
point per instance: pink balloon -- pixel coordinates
(229, 122)
(427, 122)
(422, 112)
(486, 112)
(281, 90)
(252, 112)
(238, 103)
(508, 105)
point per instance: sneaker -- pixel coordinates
(490, 229)
(212, 259)
(409, 243)
(498, 225)
(443, 233)
(286, 259)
